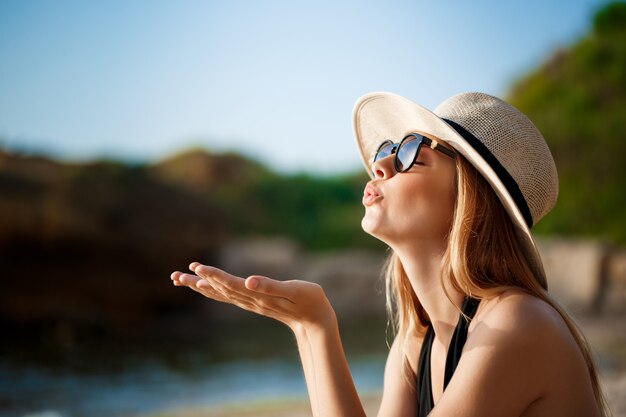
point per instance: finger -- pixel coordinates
(205, 288)
(175, 277)
(233, 290)
(202, 286)
(265, 285)
(226, 294)
(193, 265)
(221, 279)
(189, 280)
(267, 307)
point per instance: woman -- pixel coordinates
(453, 194)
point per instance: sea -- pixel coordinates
(122, 379)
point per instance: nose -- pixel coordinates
(383, 168)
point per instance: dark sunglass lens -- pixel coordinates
(384, 151)
(407, 153)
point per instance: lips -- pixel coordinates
(370, 195)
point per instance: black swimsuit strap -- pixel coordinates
(470, 305)
(425, 392)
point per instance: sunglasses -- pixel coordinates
(407, 151)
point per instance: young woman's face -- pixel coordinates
(414, 206)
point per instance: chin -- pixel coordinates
(373, 228)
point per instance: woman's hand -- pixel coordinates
(303, 307)
(294, 303)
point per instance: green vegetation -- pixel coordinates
(578, 100)
(319, 212)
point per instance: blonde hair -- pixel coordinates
(472, 267)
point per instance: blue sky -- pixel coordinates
(276, 80)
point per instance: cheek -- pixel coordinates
(445, 202)
(418, 208)
(442, 200)
(430, 211)
(445, 210)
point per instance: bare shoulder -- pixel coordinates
(526, 328)
(527, 339)
(519, 313)
(520, 359)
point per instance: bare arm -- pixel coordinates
(331, 388)
(304, 308)
(399, 395)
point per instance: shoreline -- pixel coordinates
(607, 337)
(285, 407)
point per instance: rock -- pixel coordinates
(574, 269)
(583, 275)
(275, 257)
(615, 294)
(350, 278)
(587, 276)
(352, 281)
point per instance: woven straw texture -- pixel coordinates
(514, 140)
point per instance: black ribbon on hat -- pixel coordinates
(500, 171)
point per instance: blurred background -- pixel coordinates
(136, 137)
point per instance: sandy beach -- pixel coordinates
(286, 408)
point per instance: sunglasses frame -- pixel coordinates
(422, 140)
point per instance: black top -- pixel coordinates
(425, 400)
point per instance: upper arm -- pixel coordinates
(504, 364)
(399, 395)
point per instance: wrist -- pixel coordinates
(306, 328)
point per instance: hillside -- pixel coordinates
(577, 98)
(89, 247)
(320, 213)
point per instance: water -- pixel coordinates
(155, 386)
(120, 381)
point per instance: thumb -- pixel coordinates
(267, 286)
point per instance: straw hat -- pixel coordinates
(495, 137)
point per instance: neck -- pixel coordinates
(422, 265)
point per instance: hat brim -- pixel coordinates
(380, 116)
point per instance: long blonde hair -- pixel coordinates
(473, 268)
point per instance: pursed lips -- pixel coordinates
(370, 195)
